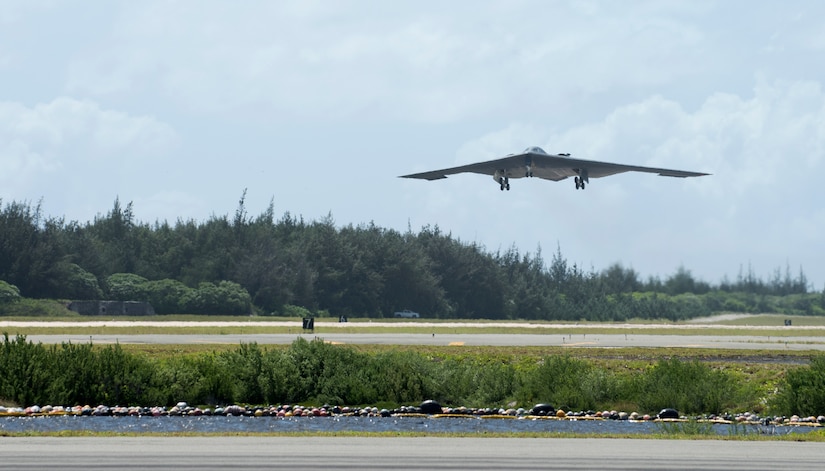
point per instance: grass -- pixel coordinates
(605, 355)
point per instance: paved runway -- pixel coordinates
(422, 453)
(572, 341)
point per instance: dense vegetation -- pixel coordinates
(261, 265)
(317, 373)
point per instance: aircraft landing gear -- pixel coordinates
(504, 182)
(579, 183)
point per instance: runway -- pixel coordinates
(502, 340)
(403, 453)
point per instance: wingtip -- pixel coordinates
(683, 174)
(427, 177)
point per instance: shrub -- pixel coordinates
(559, 380)
(8, 293)
(689, 387)
(27, 307)
(296, 311)
(224, 298)
(167, 296)
(73, 282)
(803, 390)
(23, 374)
(127, 287)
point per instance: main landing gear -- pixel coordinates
(579, 183)
(505, 183)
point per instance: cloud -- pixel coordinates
(747, 142)
(65, 148)
(443, 64)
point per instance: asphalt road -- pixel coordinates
(572, 341)
(422, 453)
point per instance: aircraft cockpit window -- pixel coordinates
(534, 150)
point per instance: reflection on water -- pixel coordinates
(221, 424)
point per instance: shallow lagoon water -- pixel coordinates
(428, 425)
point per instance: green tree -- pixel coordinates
(127, 287)
(8, 293)
(73, 282)
(29, 248)
(167, 296)
(115, 239)
(225, 298)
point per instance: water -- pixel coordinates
(242, 424)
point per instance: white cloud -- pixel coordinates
(442, 64)
(63, 149)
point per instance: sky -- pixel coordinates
(318, 106)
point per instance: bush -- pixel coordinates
(23, 373)
(27, 307)
(558, 381)
(295, 311)
(689, 387)
(167, 296)
(803, 391)
(404, 377)
(8, 293)
(127, 287)
(226, 298)
(317, 372)
(73, 282)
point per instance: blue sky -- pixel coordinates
(319, 106)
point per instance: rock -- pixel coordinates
(430, 407)
(543, 409)
(668, 414)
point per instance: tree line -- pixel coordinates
(267, 265)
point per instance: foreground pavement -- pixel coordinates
(422, 453)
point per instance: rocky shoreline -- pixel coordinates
(426, 409)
